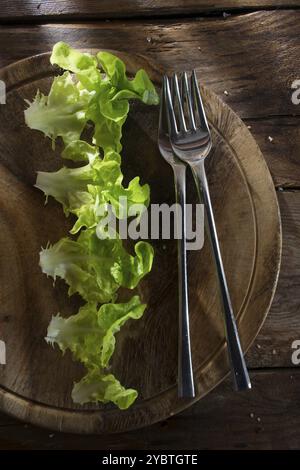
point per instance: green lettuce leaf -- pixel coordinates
(93, 90)
(80, 333)
(65, 184)
(90, 334)
(140, 87)
(82, 191)
(103, 100)
(110, 319)
(96, 268)
(107, 132)
(61, 113)
(83, 64)
(122, 199)
(109, 107)
(70, 261)
(81, 151)
(97, 386)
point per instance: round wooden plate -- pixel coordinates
(36, 382)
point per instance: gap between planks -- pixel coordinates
(42, 13)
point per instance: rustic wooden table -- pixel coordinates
(250, 50)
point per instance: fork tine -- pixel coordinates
(180, 104)
(186, 94)
(199, 103)
(169, 108)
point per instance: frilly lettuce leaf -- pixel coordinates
(107, 132)
(70, 261)
(134, 194)
(83, 64)
(110, 106)
(80, 333)
(140, 87)
(110, 319)
(97, 386)
(101, 99)
(92, 90)
(65, 183)
(81, 151)
(61, 113)
(90, 334)
(96, 268)
(82, 191)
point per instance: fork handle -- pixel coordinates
(236, 357)
(185, 368)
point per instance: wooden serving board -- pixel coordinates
(36, 382)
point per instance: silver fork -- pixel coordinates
(185, 369)
(191, 142)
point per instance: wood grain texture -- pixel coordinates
(266, 418)
(279, 140)
(254, 57)
(33, 9)
(38, 387)
(272, 347)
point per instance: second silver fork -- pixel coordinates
(185, 369)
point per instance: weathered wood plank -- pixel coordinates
(267, 417)
(279, 140)
(272, 347)
(32, 9)
(253, 57)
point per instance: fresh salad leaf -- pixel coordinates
(110, 319)
(107, 132)
(90, 334)
(110, 106)
(61, 113)
(83, 64)
(122, 199)
(82, 191)
(65, 183)
(105, 98)
(93, 91)
(96, 268)
(81, 151)
(96, 386)
(80, 333)
(140, 87)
